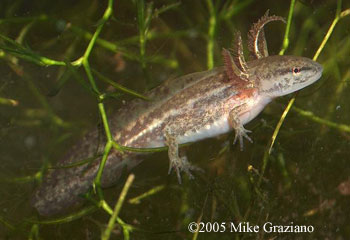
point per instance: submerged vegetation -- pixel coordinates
(66, 66)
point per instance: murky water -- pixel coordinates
(306, 181)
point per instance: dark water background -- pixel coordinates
(308, 163)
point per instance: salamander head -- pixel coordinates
(280, 75)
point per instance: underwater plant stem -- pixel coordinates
(107, 149)
(97, 181)
(154, 190)
(101, 108)
(279, 124)
(107, 233)
(211, 34)
(107, 14)
(273, 138)
(6, 224)
(310, 115)
(338, 16)
(285, 43)
(118, 86)
(66, 219)
(85, 61)
(8, 101)
(143, 21)
(313, 117)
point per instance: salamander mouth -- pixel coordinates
(319, 69)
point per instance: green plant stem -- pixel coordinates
(211, 34)
(9, 102)
(342, 127)
(118, 47)
(313, 117)
(154, 190)
(104, 205)
(234, 8)
(325, 39)
(24, 179)
(6, 224)
(107, 233)
(273, 139)
(107, 14)
(34, 232)
(105, 122)
(165, 8)
(41, 17)
(97, 181)
(279, 124)
(85, 61)
(339, 15)
(286, 33)
(118, 86)
(69, 218)
(143, 21)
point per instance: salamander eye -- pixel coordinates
(296, 70)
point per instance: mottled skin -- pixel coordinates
(186, 109)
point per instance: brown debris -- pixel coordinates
(344, 188)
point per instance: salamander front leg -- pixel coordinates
(235, 122)
(175, 161)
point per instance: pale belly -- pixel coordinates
(219, 127)
(222, 125)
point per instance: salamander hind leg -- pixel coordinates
(176, 162)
